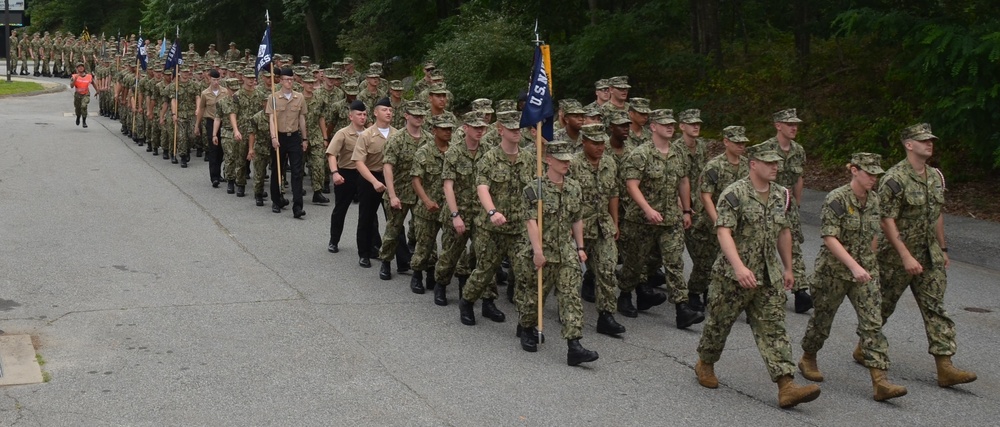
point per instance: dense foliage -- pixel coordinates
(858, 70)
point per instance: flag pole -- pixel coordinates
(538, 174)
(274, 113)
(177, 79)
(135, 91)
(114, 77)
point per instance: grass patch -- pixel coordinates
(15, 87)
(46, 376)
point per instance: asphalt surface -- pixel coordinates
(158, 300)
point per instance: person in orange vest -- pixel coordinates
(81, 83)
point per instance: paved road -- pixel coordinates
(158, 300)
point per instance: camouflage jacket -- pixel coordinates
(855, 226)
(598, 185)
(696, 163)
(460, 167)
(399, 152)
(505, 180)
(428, 162)
(561, 208)
(915, 203)
(755, 225)
(659, 176)
(717, 175)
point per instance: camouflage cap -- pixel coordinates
(689, 116)
(640, 105)
(618, 118)
(233, 83)
(348, 60)
(351, 88)
(429, 65)
(211, 45)
(594, 132)
(442, 121)
(507, 105)
(786, 116)
(868, 162)
(509, 119)
(308, 79)
(663, 116)
(561, 150)
(474, 119)
(79, 64)
(483, 105)
(736, 134)
(620, 82)
(305, 59)
(332, 73)
(168, 72)
(416, 108)
(570, 106)
(190, 45)
(917, 132)
(769, 156)
(249, 74)
(437, 88)
(395, 85)
(601, 84)
(591, 111)
(437, 74)
(374, 70)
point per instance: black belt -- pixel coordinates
(296, 133)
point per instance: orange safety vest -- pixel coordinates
(82, 84)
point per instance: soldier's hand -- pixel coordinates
(215, 140)
(379, 187)
(539, 259)
(788, 277)
(251, 154)
(912, 266)
(498, 219)
(583, 255)
(459, 225)
(861, 275)
(947, 261)
(305, 146)
(163, 121)
(197, 130)
(432, 206)
(395, 203)
(654, 217)
(745, 277)
(337, 179)
(237, 135)
(686, 221)
(618, 232)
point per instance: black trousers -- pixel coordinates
(214, 152)
(291, 155)
(343, 196)
(369, 200)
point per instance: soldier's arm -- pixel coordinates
(785, 251)
(684, 190)
(939, 234)
(709, 204)
(390, 185)
(199, 112)
(727, 245)
(613, 210)
(797, 191)
(535, 237)
(449, 195)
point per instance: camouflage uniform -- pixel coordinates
(717, 176)
(562, 207)
(915, 203)
(598, 185)
(789, 171)
(505, 180)
(855, 225)
(460, 167)
(755, 228)
(262, 150)
(399, 152)
(659, 176)
(427, 164)
(316, 156)
(185, 118)
(166, 93)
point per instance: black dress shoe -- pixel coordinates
(283, 202)
(332, 248)
(417, 282)
(441, 295)
(231, 187)
(490, 311)
(320, 198)
(166, 155)
(173, 160)
(275, 208)
(365, 262)
(466, 311)
(385, 271)
(184, 161)
(298, 213)
(625, 306)
(215, 184)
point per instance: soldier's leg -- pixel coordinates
(928, 290)
(452, 248)
(426, 232)
(828, 294)
(395, 218)
(260, 162)
(77, 106)
(726, 300)
(490, 250)
(636, 242)
(84, 101)
(184, 135)
(318, 168)
(526, 296)
(798, 266)
(867, 303)
(602, 254)
(766, 311)
(45, 65)
(703, 247)
(229, 153)
(893, 281)
(671, 244)
(167, 138)
(567, 277)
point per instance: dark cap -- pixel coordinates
(213, 73)
(357, 105)
(384, 102)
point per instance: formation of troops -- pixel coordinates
(622, 194)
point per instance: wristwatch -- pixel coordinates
(491, 212)
(454, 214)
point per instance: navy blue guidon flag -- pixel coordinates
(140, 52)
(174, 55)
(538, 107)
(263, 52)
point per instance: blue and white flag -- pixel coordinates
(163, 47)
(140, 52)
(538, 107)
(263, 52)
(174, 56)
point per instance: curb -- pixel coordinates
(48, 88)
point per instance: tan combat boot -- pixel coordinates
(809, 368)
(706, 374)
(948, 375)
(791, 394)
(885, 390)
(858, 356)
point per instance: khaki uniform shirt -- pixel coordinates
(208, 101)
(371, 148)
(287, 110)
(342, 145)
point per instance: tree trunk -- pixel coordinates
(314, 35)
(802, 36)
(593, 11)
(705, 37)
